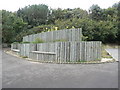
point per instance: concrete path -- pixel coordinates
(113, 53)
(19, 73)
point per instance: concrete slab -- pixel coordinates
(106, 59)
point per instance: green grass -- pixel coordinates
(106, 46)
(38, 40)
(105, 54)
(15, 43)
(82, 61)
(24, 56)
(60, 40)
(78, 61)
(24, 42)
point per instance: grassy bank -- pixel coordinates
(108, 46)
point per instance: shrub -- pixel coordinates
(24, 56)
(60, 40)
(84, 38)
(25, 42)
(15, 42)
(38, 40)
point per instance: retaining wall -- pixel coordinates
(25, 49)
(64, 51)
(67, 35)
(15, 46)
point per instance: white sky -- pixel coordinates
(14, 5)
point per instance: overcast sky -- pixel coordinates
(14, 5)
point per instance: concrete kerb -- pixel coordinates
(110, 53)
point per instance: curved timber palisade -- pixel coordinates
(72, 50)
(66, 34)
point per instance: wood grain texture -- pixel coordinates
(66, 35)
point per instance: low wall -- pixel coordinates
(15, 46)
(25, 49)
(5, 45)
(65, 51)
(73, 51)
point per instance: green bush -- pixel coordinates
(38, 40)
(25, 42)
(60, 40)
(24, 56)
(84, 38)
(15, 42)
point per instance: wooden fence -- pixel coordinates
(65, 35)
(25, 49)
(73, 51)
(62, 51)
(15, 46)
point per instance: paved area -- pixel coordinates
(113, 53)
(19, 73)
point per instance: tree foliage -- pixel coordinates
(35, 14)
(11, 26)
(97, 24)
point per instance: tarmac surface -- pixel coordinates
(0, 67)
(20, 73)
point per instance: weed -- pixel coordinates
(24, 56)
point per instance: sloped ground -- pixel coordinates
(19, 73)
(113, 52)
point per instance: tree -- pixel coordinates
(118, 22)
(95, 12)
(35, 15)
(11, 26)
(98, 24)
